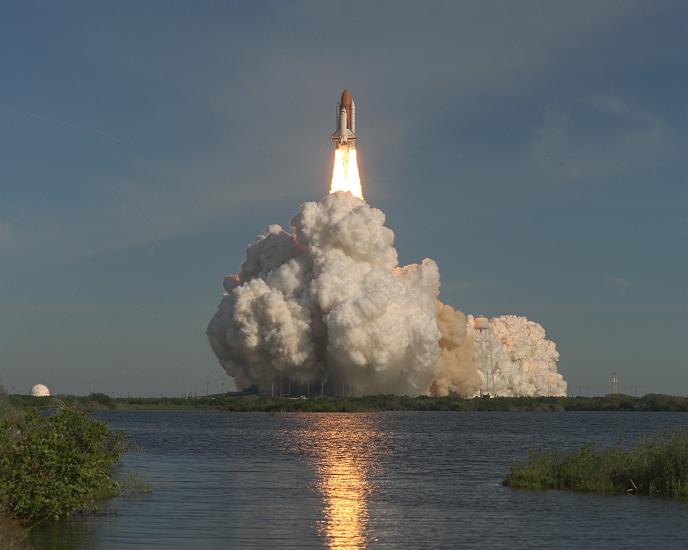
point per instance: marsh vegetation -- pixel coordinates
(655, 467)
(247, 402)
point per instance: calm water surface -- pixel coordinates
(379, 480)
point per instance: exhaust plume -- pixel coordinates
(523, 361)
(328, 303)
(345, 175)
(455, 371)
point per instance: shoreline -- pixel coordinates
(233, 402)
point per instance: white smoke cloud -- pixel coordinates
(329, 303)
(515, 359)
(536, 357)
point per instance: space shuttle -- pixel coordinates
(345, 133)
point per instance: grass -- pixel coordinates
(655, 467)
(134, 484)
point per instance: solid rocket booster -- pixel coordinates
(345, 133)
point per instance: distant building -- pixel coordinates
(39, 390)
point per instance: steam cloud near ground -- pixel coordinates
(328, 302)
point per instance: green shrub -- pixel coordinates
(656, 467)
(7, 410)
(52, 466)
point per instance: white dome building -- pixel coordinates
(39, 390)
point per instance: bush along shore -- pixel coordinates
(655, 467)
(52, 466)
(246, 402)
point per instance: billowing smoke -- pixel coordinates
(516, 359)
(457, 370)
(328, 303)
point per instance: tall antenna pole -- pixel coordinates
(489, 355)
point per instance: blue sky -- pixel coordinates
(535, 150)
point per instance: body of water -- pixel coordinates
(380, 480)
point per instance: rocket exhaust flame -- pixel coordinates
(345, 172)
(345, 175)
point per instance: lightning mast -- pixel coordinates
(482, 325)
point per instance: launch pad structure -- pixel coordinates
(482, 326)
(283, 390)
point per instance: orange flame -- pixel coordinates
(345, 172)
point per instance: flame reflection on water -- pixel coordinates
(344, 451)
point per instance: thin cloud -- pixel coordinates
(241, 156)
(619, 283)
(598, 136)
(63, 123)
